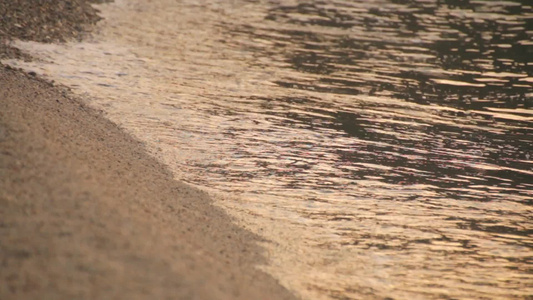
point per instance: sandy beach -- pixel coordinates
(85, 213)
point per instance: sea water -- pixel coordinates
(382, 148)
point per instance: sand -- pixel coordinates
(86, 213)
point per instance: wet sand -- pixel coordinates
(85, 213)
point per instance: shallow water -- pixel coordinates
(382, 147)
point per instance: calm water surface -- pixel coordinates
(384, 148)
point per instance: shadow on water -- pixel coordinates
(417, 49)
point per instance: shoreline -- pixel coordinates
(86, 213)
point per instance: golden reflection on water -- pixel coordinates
(383, 148)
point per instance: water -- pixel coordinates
(383, 148)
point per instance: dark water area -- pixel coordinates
(449, 53)
(384, 148)
(469, 63)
